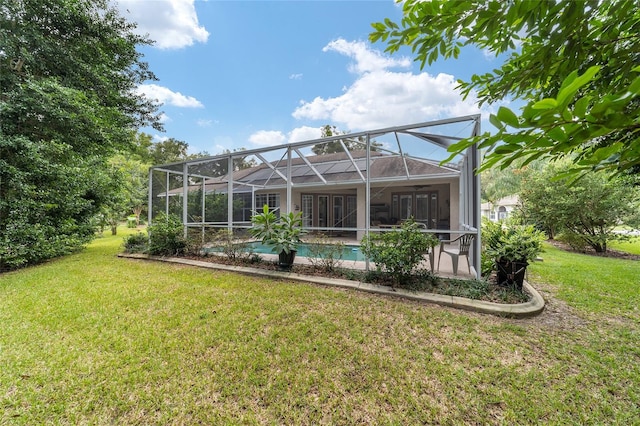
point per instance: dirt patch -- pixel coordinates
(557, 314)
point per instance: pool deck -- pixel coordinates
(465, 271)
(446, 266)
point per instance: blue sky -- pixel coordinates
(247, 74)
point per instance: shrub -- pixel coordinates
(132, 222)
(282, 233)
(232, 245)
(324, 253)
(574, 240)
(166, 235)
(398, 252)
(511, 242)
(136, 243)
(23, 243)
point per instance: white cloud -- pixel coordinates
(381, 98)
(295, 77)
(276, 137)
(159, 138)
(173, 24)
(202, 122)
(167, 96)
(222, 143)
(304, 133)
(267, 138)
(366, 59)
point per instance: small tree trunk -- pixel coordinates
(137, 211)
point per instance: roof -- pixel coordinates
(333, 168)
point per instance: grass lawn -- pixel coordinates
(93, 339)
(632, 246)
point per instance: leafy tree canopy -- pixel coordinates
(585, 212)
(574, 62)
(68, 70)
(350, 143)
(499, 183)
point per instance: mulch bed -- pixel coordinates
(591, 252)
(473, 289)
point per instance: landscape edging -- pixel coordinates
(520, 310)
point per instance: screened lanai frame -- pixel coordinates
(197, 190)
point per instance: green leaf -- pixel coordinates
(496, 122)
(546, 103)
(506, 149)
(603, 153)
(568, 91)
(557, 134)
(507, 116)
(580, 108)
(634, 87)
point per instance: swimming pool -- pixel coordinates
(349, 252)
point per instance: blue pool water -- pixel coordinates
(349, 253)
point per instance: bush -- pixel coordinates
(196, 241)
(166, 236)
(132, 222)
(324, 253)
(23, 243)
(398, 252)
(232, 245)
(575, 241)
(514, 243)
(136, 243)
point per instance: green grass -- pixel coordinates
(632, 246)
(93, 339)
(594, 285)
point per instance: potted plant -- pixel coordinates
(283, 233)
(512, 247)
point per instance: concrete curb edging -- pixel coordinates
(521, 310)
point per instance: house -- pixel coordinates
(362, 187)
(501, 209)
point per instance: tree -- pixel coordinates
(586, 212)
(134, 178)
(499, 183)
(336, 146)
(575, 63)
(67, 74)
(168, 151)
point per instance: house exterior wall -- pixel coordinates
(501, 209)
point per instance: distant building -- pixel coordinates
(501, 209)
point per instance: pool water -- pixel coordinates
(349, 253)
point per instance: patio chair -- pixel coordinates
(464, 244)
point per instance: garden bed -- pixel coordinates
(423, 281)
(445, 296)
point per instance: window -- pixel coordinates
(307, 210)
(423, 207)
(323, 211)
(502, 212)
(272, 200)
(338, 211)
(351, 213)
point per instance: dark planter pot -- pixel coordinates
(511, 273)
(286, 260)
